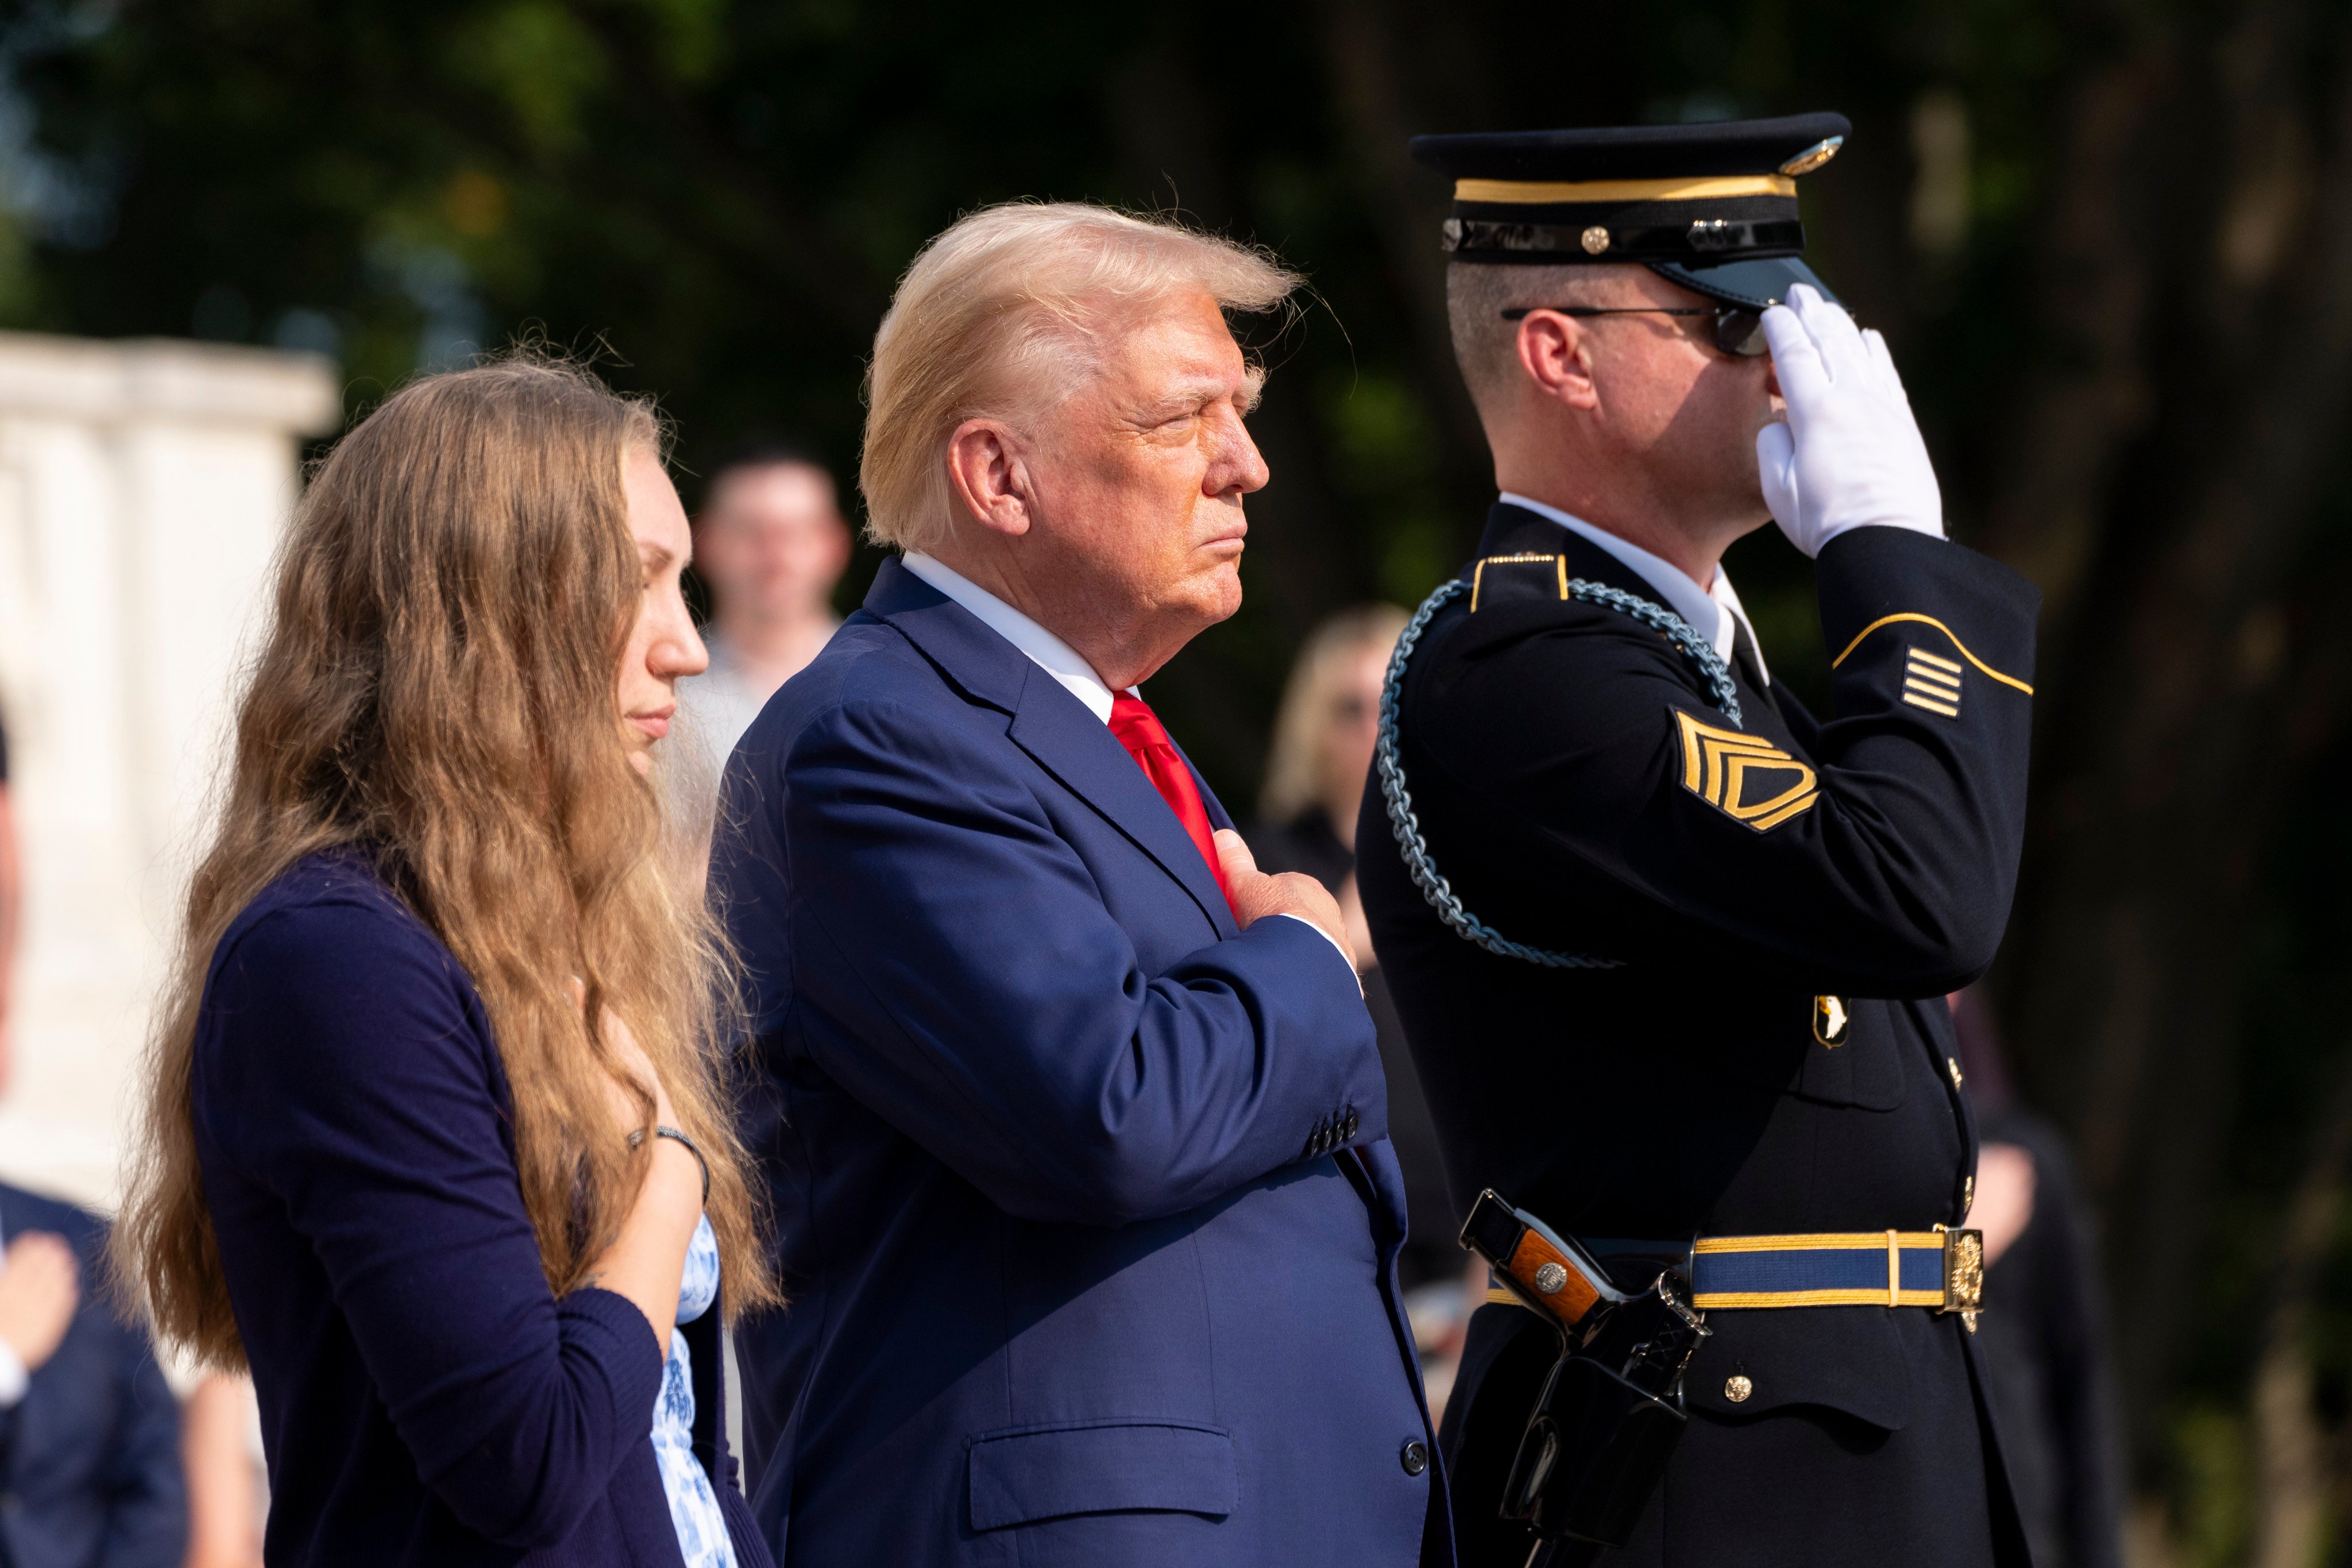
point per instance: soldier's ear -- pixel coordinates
(1555, 353)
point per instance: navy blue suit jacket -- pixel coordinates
(1084, 1270)
(90, 1459)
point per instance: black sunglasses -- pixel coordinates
(1738, 329)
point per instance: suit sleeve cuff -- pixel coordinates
(1327, 937)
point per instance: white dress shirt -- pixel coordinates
(13, 1375)
(1052, 655)
(1712, 610)
(1046, 651)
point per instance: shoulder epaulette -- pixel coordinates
(1517, 579)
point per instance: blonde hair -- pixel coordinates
(438, 691)
(1298, 772)
(999, 306)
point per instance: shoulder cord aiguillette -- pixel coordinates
(1389, 765)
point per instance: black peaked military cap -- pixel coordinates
(1713, 207)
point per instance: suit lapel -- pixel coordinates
(1068, 742)
(1058, 730)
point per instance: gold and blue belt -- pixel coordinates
(1941, 1269)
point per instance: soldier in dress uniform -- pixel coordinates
(1671, 951)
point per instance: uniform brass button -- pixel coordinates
(1415, 1458)
(1739, 1388)
(1550, 1277)
(1954, 1063)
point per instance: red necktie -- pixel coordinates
(1139, 730)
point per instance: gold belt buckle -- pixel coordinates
(1963, 1274)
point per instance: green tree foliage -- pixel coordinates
(2108, 240)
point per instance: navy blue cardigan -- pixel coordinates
(425, 1398)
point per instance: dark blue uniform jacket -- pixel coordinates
(90, 1459)
(1088, 1211)
(1583, 793)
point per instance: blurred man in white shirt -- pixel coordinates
(770, 542)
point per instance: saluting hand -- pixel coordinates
(1851, 455)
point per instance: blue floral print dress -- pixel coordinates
(693, 1507)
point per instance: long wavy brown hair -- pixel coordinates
(438, 691)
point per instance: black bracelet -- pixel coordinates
(674, 1135)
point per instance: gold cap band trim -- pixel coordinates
(1532, 193)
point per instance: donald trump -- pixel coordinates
(1074, 1120)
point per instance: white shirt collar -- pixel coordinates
(1057, 659)
(1710, 610)
(1048, 652)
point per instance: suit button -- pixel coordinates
(1737, 1388)
(1352, 1124)
(1415, 1458)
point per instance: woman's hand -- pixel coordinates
(638, 1068)
(646, 1261)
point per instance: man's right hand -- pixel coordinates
(1256, 895)
(40, 1285)
(1850, 455)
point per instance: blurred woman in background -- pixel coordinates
(1315, 778)
(434, 1139)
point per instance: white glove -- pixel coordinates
(1850, 455)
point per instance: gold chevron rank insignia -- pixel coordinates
(1746, 777)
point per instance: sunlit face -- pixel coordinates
(770, 542)
(662, 641)
(1667, 395)
(1140, 479)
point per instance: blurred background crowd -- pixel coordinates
(2109, 240)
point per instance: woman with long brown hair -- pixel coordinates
(436, 1139)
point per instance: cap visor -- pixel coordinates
(1755, 282)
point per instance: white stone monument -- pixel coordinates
(143, 487)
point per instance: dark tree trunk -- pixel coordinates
(2164, 489)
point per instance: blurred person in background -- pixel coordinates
(89, 1433)
(2045, 1339)
(1321, 753)
(219, 1430)
(433, 1135)
(89, 1471)
(1315, 775)
(9, 904)
(771, 544)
